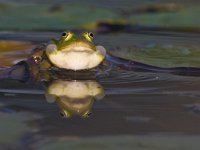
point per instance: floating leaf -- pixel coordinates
(10, 51)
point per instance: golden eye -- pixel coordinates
(67, 36)
(88, 36)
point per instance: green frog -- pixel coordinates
(70, 52)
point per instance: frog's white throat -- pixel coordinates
(78, 58)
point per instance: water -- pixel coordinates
(127, 109)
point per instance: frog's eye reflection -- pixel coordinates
(62, 114)
(86, 115)
(89, 114)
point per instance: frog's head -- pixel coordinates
(75, 107)
(75, 53)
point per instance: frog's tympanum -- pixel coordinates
(74, 97)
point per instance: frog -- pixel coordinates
(70, 53)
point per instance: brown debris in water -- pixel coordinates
(12, 51)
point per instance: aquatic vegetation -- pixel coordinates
(51, 17)
(185, 18)
(47, 17)
(162, 56)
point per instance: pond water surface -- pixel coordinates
(122, 109)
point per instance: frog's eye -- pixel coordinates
(88, 36)
(64, 34)
(67, 35)
(91, 35)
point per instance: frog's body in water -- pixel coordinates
(73, 53)
(77, 54)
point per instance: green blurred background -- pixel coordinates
(60, 15)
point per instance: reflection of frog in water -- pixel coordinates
(74, 97)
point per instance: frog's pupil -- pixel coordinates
(64, 34)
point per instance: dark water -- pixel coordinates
(128, 110)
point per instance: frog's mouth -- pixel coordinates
(52, 49)
(79, 46)
(76, 102)
(78, 50)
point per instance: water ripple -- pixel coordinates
(132, 77)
